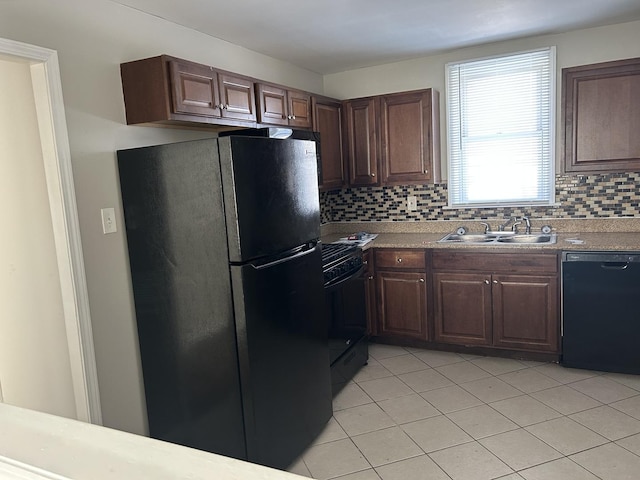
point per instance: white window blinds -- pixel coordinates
(501, 138)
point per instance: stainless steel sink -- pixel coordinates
(542, 238)
(455, 238)
(500, 239)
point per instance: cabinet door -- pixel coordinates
(402, 304)
(601, 117)
(194, 89)
(462, 308)
(327, 120)
(362, 141)
(370, 293)
(238, 97)
(525, 312)
(272, 105)
(406, 138)
(299, 109)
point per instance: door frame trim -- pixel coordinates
(47, 89)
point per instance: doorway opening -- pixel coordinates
(58, 188)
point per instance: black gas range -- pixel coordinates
(345, 285)
(339, 261)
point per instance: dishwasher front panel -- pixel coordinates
(601, 311)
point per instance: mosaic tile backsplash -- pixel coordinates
(577, 196)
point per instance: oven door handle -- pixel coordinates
(357, 273)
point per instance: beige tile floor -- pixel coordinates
(428, 415)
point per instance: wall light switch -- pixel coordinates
(108, 220)
(412, 203)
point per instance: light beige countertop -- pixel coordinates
(589, 235)
(36, 445)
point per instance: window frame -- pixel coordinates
(453, 128)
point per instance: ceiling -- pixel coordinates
(330, 36)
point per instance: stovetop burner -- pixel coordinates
(339, 260)
(335, 251)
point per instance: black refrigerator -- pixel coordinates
(223, 240)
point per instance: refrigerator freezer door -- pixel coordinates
(283, 355)
(182, 290)
(271, 195)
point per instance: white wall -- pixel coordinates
(35, 369)
(580, 47)
(92, 38)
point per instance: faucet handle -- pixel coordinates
(487, 227)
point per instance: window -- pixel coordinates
(501, 139)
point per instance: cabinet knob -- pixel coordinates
(373, 174)
(421, 280)
(293, 117)
(486, 282)
(495, 282)
(370, 277)
(399, 260)
(425, 172)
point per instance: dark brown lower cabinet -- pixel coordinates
(462, 304)
(506, 301)
(525, 312)
(370, 292)
(401, 294)
(402, 304)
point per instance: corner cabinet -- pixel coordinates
(601, 114)
(394, 139)
(500, 300)
(169, 90)
(401, 291)
(327, 121)
(280, 106)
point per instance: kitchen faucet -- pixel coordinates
(487, 227)
(514, 227)
(527, 222)
(509, 220)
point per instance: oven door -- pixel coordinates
(347, 320)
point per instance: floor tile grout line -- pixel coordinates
(401, 425)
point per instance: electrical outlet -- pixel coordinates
(108, 220)
(412, 203)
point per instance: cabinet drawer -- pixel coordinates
(405, 259)
(495, 262)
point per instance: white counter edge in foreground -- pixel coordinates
(35, 445)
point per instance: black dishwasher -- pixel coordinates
(601, 311)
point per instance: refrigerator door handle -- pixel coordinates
(283, 260)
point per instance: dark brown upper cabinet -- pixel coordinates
(327, 121)
(362, 141)
(410, 138)
(394, 139)
(601, 114)
(169, 90)
(280, 106)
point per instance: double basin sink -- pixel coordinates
(499, 238)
